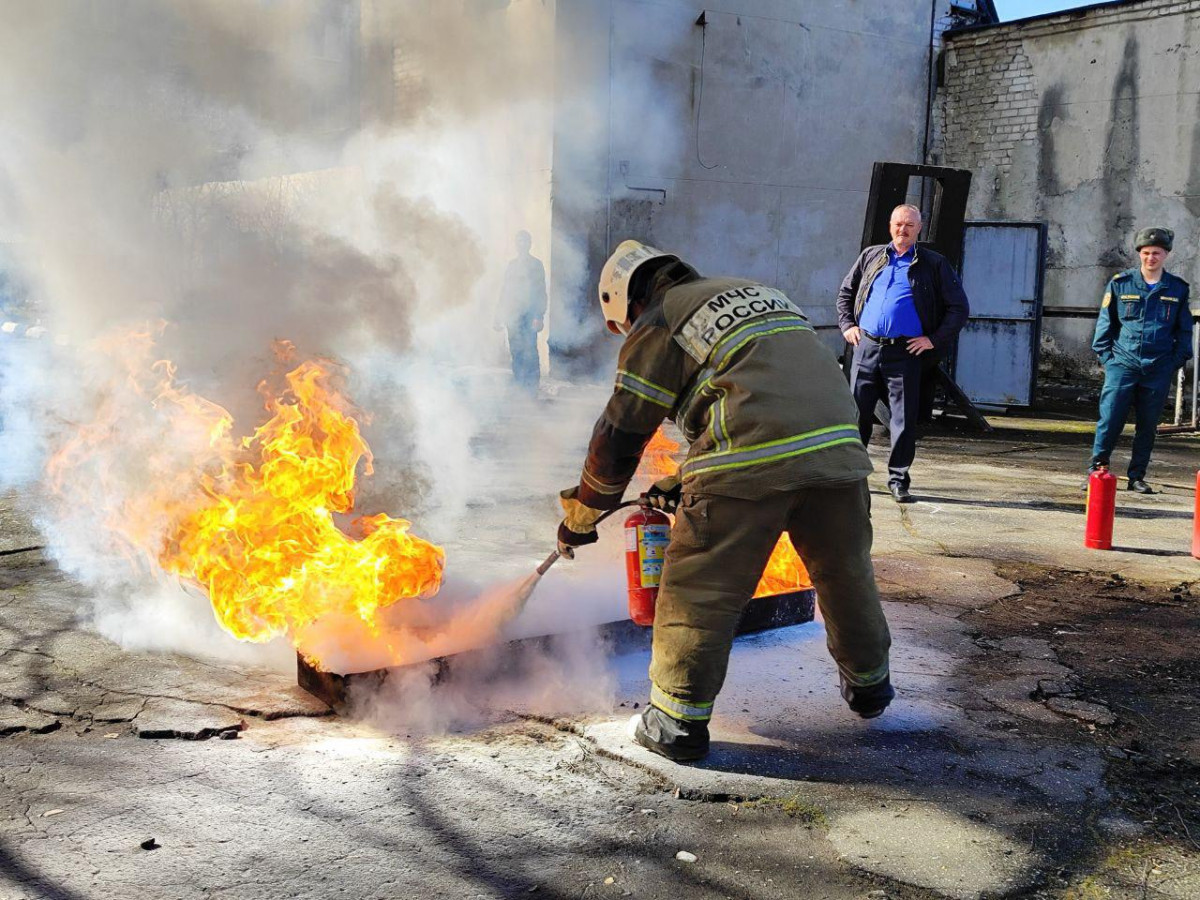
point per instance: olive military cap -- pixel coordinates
(1154, 237)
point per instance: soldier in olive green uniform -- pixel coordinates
(774, 447)
(1143, 335)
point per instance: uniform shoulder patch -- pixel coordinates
(721, 314)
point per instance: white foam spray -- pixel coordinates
(241, 173)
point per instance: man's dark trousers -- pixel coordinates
(522, 345)
(1146, 393)
(889, 370)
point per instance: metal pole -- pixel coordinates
(1179, 396)
(1195, 368)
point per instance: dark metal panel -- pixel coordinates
(944, 228)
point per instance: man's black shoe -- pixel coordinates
(868, 701)
(675, 739)
(901, 494)
(1138, 486)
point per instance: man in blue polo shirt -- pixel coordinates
(900, 307)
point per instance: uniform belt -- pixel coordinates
(887, 341)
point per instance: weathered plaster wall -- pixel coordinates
(746, 145)
(1090, 122)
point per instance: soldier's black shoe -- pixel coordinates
(901, 494)
(675, 739)
(1140, 487)
(868, 701)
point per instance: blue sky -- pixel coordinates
(1019, 9)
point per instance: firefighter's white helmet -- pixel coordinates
(616, 275)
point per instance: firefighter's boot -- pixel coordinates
(673, 738)
(869, 701)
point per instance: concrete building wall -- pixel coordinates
(469, 86)
(1089, 121)
(745, 144)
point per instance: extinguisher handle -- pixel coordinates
(565, 552)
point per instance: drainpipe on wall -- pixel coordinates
(929, 98)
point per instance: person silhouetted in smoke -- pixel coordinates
(522, 311)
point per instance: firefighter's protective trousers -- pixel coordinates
(719, 547)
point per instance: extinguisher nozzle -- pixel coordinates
(553, 558)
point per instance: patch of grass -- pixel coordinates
(793, 807)
(1129, 857)
(1120, 868)
(1089, 889)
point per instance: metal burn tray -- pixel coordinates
(339, 691)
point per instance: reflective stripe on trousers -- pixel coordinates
(677, 709)
(865, 679)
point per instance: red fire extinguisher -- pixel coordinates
(647, 532)
(1196, 522)
(1101, 507)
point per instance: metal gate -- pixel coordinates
(996, 363)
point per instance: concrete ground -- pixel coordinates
(1007, 766)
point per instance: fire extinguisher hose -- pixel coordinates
(554, 557)
(525, 589)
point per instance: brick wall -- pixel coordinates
(946, 22)
(989, 95)
(991, 100)
(1089, 121)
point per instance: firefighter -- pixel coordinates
(1143, 334)
(774, 447)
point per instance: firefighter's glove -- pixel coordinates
(578, 527)
(664, 494)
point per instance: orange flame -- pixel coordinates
(251, 521)
(264, 544)
(658, 456)
(785, 571)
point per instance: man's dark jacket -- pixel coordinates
(937, 293)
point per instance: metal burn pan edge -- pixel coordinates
(761, 614)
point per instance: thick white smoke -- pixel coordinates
(347, 177)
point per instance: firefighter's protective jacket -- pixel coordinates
(744, 376)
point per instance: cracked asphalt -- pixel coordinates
(131, 775)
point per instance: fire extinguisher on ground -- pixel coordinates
(647, 533)
(1101, 508)
(1196, 522)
